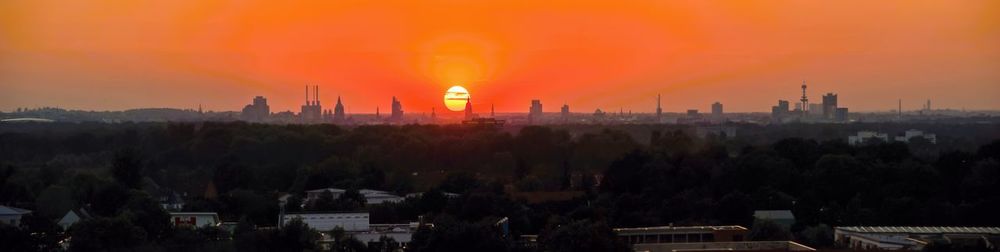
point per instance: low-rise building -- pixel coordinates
(194, 219)
(699, 238)
(12, 215)
(314, 194)
(681, 234)
(72, 217)
(723, 246)
(375, 197)
(910, 134)
(326, 221)
(866, 137)
(785, 218)
(372, 197)
(911, 238)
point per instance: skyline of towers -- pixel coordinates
(312, 111)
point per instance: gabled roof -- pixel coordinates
(6, 210)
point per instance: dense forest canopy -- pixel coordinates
(627, 176)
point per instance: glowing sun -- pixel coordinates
(455, 98)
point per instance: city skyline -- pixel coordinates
(587, 54)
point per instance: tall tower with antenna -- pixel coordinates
(804, 100)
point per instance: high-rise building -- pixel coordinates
(778, 112)
(564, 112)
(535, 112)
(840, 115)
(256, 111)
(338, 111)
(815, 110)
(397, 110)
(717, 109)
(829, 105)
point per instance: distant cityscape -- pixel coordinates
(312, 112)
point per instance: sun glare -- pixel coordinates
(455, 98)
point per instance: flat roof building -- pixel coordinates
(679, 234)
(911, 238)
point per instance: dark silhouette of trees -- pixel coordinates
(127, 168)
(583, 236)
(673, 177)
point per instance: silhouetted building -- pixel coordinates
(564, 112)
(659, 110)
(815, 110)
(717, 110)
(256, 111)
(397, 110)
(468, 109)
(338, 111)
(312, 111)
(535, 112)
(779, 112)
(841, 115)
(693, 113)
(829, 105)
(599, 113)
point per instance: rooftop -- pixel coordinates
(6, 210)
(679, 229)
(773, 214)
(922, 230)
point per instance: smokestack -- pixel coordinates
(317, 94)
(307, 94)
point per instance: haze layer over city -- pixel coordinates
(444, 125)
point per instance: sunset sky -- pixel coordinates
(119, 54)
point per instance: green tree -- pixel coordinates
(765, 230)
(106, 234)
(127, 168)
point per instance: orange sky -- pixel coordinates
(116, 54)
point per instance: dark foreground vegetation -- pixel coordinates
(620, 177)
